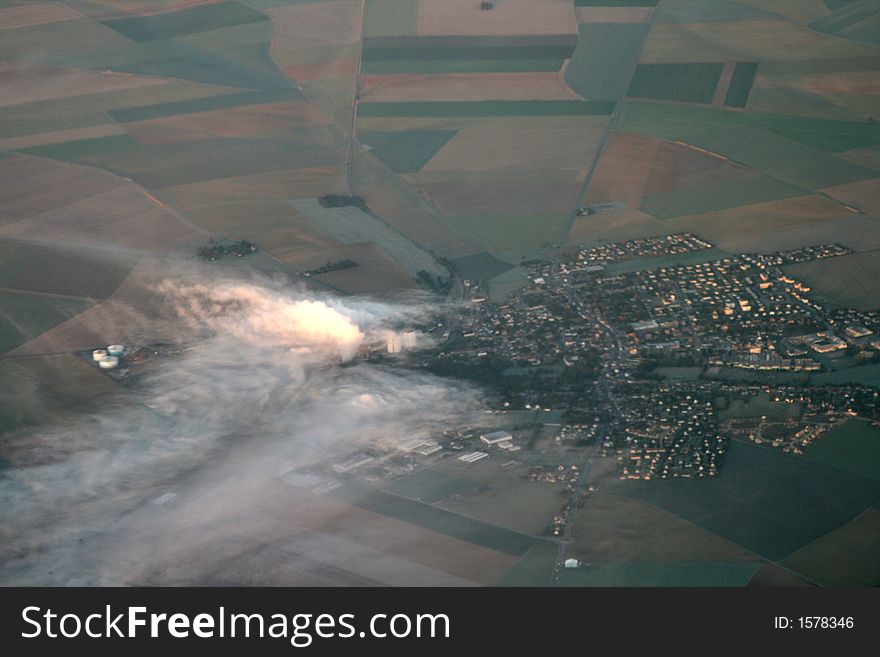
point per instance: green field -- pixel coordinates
(83, 148)
(846, 557)
(853, 446)
(431, 486)
(717, 196)
(747, 139)
(763, 500)
(25, 316)
(186, 21)
(534, 568)
(444, 109)
(605, 58)
(868, 375)
(480, 266)
(406, 151)
(758, 405)
(511, 232)
(679, 373)
(692, 83)
(204, 104)
(445, 522)
(741, 84)
(737, 573)
(690, 258)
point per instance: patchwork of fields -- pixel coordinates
(133, 132)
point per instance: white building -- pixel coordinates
(496, 437)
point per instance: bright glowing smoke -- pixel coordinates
(260, 394)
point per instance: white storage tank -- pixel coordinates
(108, 363)
(99, 354)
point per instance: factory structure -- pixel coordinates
(108, 359)
(398, 342)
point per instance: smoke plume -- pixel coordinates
(187, 474)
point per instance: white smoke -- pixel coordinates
(260, 392)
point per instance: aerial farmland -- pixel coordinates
(450, 168)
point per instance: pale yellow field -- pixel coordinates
(314, 24)
(478, 150)
(394, 124)
(611, 528)
(406, 209)
(634, 165)
(442, 17)
(133, 315)
(74, 204)
(863, 195)
(33, 185)
(36, 14)
(61, 136)
(23, 82)
(274, 120)
(617, 225)
(767, 227)
(465, 86)
(802, 11)
(287, 183)
(269, 223)
(377, 274)
(868, 156)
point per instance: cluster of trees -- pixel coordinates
(213, 250)
(439, 284)
(342, 201)
(332, 265)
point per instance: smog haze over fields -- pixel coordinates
(440, 292)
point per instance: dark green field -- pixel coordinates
(443, 109)
(481, 266)
(764, 500)
(692, 83)
(179, 23)
(737, 573)
(533, 569)
(431, 486)
(406, 151)
(853, 446)
(463, 54)
(445, 522)
(741, 84)
(640, 264)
